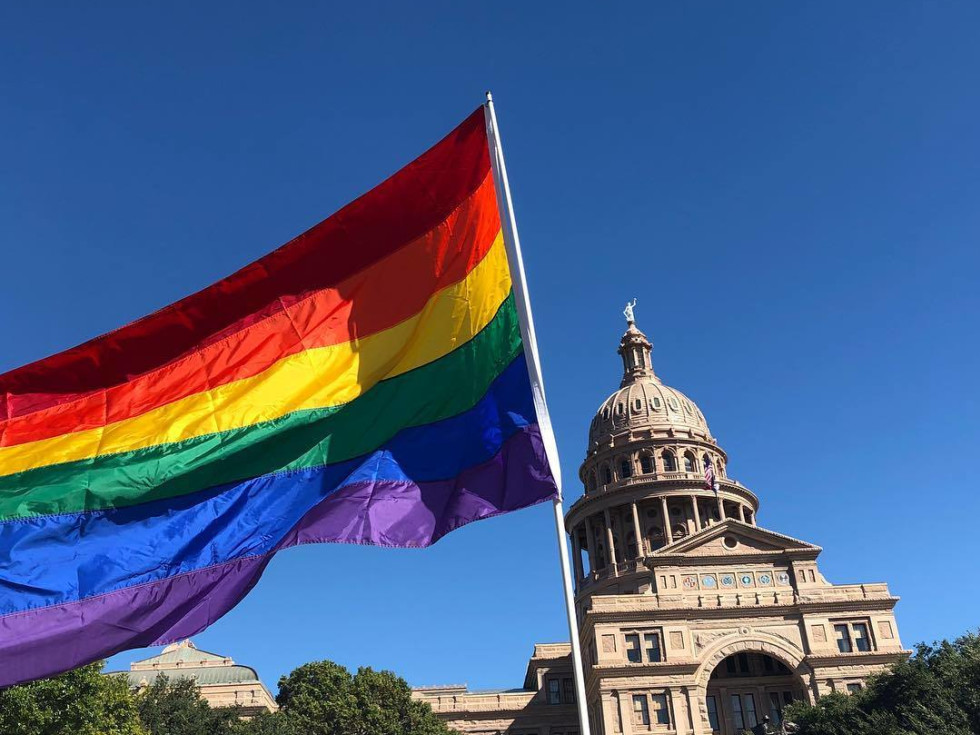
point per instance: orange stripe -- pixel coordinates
(373, 300)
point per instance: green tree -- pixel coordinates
(175, 707)
(935, 692)
(80, 702)
(267, 724)
(323, 698)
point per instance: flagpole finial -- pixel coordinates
(489, 96)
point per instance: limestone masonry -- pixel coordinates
(694, 619)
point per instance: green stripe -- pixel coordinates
(444, 388)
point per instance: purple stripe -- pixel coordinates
(49, 640)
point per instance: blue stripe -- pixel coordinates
(55, 559)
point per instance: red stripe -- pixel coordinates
(408, 204)
(378, 297)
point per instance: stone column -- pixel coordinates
(663, 509)
(623, 712)
(590, 543)
(610, 542)
(741, 512)
(697, 513)
(721, 509)
(640, 550)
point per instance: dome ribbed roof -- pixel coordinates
(643, 402)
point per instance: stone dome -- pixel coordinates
(643, 404)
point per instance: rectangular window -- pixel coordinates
(568, 690)
(737, 712)
(713, 714)
(554, 691)
(633, 648)
(775, 708)
(651, 642)
(862, 641)
(748, 701)
(853, 637)
(660, 709)
(853, 688)
(641, 710)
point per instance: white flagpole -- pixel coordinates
(513, 243)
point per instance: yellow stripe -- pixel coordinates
(316, 378)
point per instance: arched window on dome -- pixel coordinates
(638, 404)
(606, 474)
(631, 550)
(619, 409)
(655, 537)
(605, 413)
(690, 463)
(670, 462)
(625, 468)
(655, 403)
(646, 464)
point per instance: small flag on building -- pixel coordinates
(710, 481)
(365, 383)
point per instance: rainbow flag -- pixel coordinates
(365, 383)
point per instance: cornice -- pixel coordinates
(730, 558)
(857, 658)
(689, 612)
(661, 668)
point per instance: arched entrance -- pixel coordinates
(743, 679)
(747, 686)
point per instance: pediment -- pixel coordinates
(733, 538)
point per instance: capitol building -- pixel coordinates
(694, 619)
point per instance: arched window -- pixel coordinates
(619, 409)
(638, 404)
(655, 537)
(690, 463)
(605, 413)
(631, 550)
(625, 468)
(655, 403)
(679, 530)
(606, 474)
(646, 464)
(670, 463)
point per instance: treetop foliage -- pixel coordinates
(936, 691)
(320, 698)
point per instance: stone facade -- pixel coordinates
(222, 682)
(693, 618)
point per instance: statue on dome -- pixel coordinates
(628, 312)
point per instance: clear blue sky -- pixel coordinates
(789, 189)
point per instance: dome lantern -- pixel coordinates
(635, 350)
